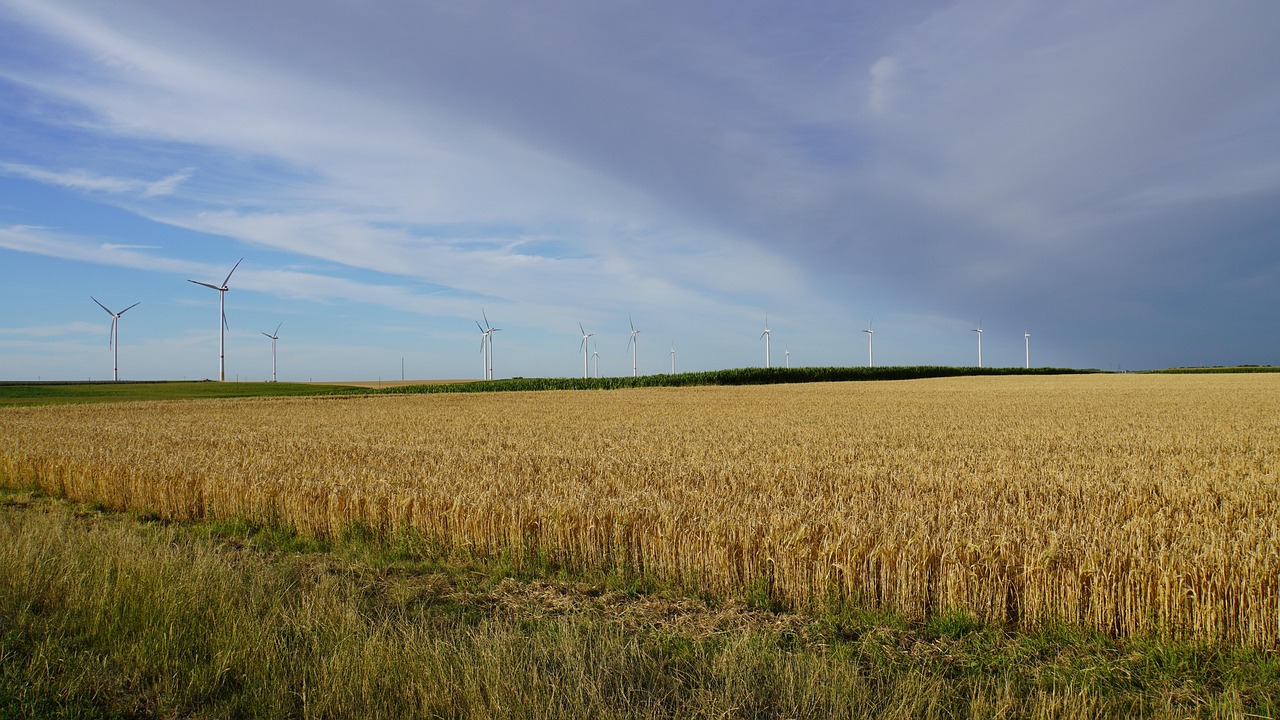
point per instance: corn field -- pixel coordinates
(1126, 503)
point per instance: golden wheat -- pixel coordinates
(1127, 503)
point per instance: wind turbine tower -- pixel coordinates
(788, 357)
(585, 358)
(222, 312)
(979, 331)
(489, 331)
(870, 337)
(632, 343)
(595, 355)
(113, 340)
(1026, 337)
(673, 357)
(276, 336)
(765, 336)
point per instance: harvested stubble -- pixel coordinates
(1127, 503)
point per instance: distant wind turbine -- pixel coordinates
(870, 336)
(788, 356)
(595, 355)
(222, 312)
(979, 331)
(765, 336)
(276, 336)
(632, 342)
(585, 358)
(673, 357)
(489, 331)
(1026, 336)
(113, 340)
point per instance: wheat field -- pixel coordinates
(1127, 503)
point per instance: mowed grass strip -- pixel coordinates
(1125, 504)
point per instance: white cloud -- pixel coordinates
(884, 74)
(80, 179)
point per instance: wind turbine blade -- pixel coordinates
(130, 307)
(479, 328)
(233, 269)
(111, 338)
(268, 336)
(225, 326)
(584, 330)
(486, 318)
(277, 332)
(631, 322)
(104, 307)
(215, 287)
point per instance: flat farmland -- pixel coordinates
(1130, 504)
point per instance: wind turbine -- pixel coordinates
(222, 327)
(870, 336)
(489, 330)
(765, 335)
(1026, 336)
(673, 357)
(788, 357)
(585, 335)
(274, 336)
(979, 331)
(595, 355)
(632, 343)
(113, 340)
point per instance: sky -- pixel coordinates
(1101, 174)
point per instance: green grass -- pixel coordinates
(738, 376)
(14, 393)
(69, 393)
(106, 615)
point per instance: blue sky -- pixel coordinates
(1102, 174)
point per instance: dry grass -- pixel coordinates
(1130, 504)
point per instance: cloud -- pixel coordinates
(79, 179)
(941, 158)
(119, 246)
(883, 74)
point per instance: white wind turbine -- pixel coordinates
(1026, 337)
(595, 355)
(585, 366)
(274, 336)
(488, 331)
(979, 331)
(765, 336)
(632, 342)
(222, 312)
(788, 347)
(113, 340)
(673, 357)
(870, 336)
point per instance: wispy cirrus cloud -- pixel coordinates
(79, 179)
